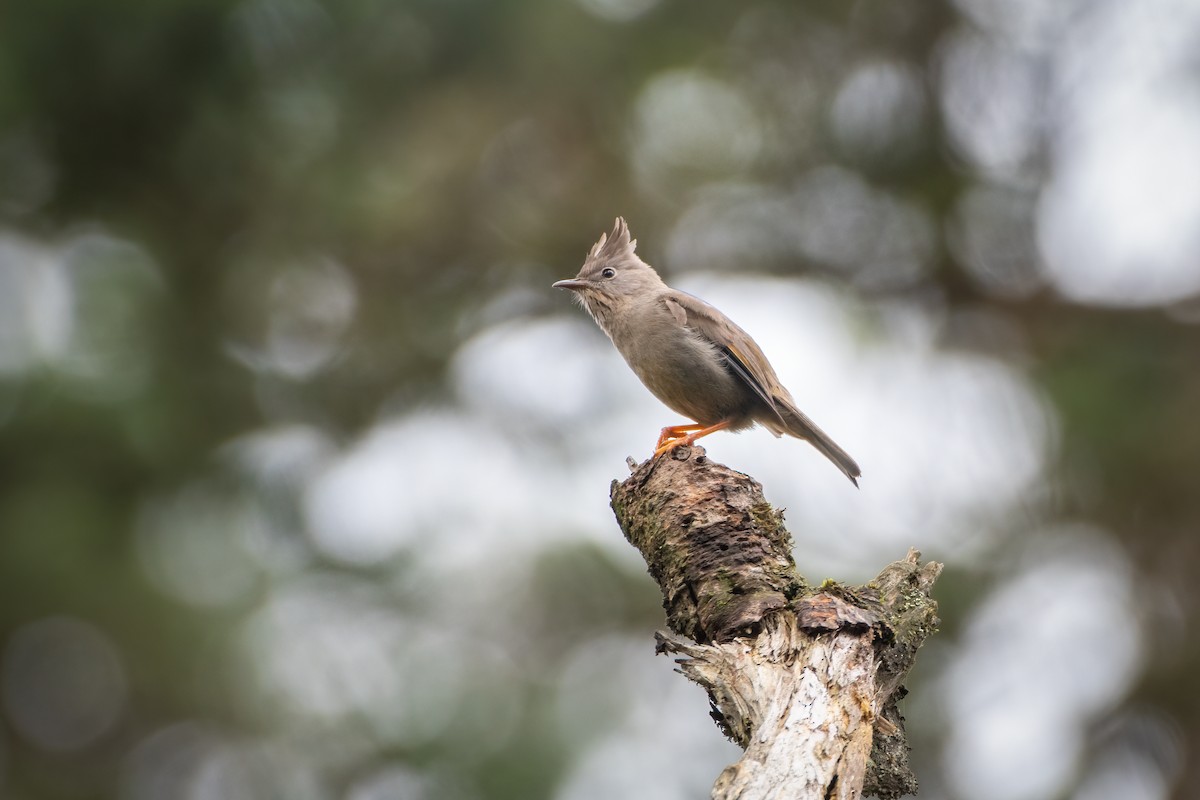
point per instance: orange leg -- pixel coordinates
(687, 441)
(674, 432)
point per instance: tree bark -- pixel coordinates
(805, 679)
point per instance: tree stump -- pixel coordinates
(805, 679)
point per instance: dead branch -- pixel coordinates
(805, 679)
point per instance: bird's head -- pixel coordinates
(612, 275)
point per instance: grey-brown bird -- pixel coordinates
(688, 354)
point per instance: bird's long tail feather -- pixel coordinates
(800, 426)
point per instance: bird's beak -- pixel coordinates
(574, 285)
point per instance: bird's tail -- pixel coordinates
(802, 427)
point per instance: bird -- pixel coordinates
(690, 356)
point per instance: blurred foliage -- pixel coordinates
(219, 218)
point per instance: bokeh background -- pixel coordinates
(305, 467)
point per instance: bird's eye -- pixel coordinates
(608, 272)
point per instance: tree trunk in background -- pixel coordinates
(804, 679)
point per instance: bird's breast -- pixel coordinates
(681, 368)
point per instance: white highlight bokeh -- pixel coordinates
(1043, 656)
(651, 738)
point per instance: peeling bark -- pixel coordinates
(805, 680)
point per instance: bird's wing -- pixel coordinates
(740, 352)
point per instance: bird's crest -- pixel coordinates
(615, 245)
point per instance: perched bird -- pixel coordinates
(688, 354)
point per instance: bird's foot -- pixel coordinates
(673, 433)
(671, 444)
(669, 439)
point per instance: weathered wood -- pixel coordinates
(805, 679)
